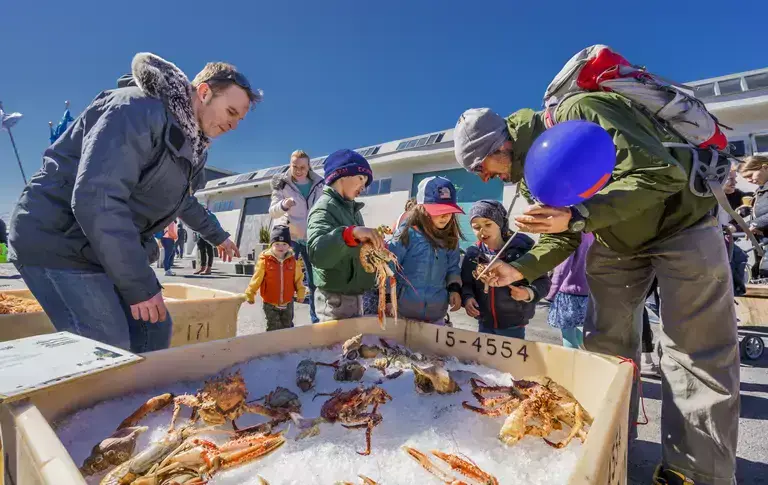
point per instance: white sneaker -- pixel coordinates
(170, 273)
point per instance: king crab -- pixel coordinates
(533, 407)
(377, 261)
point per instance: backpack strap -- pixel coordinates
(706, 180)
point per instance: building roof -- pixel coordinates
(730, 87)
(415, 146)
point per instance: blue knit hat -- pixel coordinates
(346, 163)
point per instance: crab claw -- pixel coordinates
(308, 427)
(152, 405)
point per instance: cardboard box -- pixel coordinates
(199, 315)
(601, 383)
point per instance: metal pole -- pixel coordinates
(18, 159)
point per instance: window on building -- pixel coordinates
(729, 86)
(704, 91)
(761, 143)
(757, 81)
(223, 205)
(378, 187)
(401, 145)
(439, 137)
(737, 148)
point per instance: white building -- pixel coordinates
(241, 202)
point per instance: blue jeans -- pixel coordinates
(512, 332)
(169, 248)
(300, 249)
(87, 303)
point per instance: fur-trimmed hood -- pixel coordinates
(161, 79)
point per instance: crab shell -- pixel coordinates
(349, 370)
(112, 451)
(283, 398)
(305, 374)
(433, 378)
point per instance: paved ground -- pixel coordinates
(646, 453)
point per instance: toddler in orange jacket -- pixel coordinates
(277, 277)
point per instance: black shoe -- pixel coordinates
(666, 476)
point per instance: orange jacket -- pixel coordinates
(277, 280)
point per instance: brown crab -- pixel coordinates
(350, 409)
(347, 370)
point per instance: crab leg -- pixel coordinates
(382, 301)
(371, 420)
(393, 296)
(467, 468)
(152, 405)
(575, 430)
(428, 465)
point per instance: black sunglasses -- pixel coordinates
(240, 80)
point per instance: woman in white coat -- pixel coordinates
(293, 194)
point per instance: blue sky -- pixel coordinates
(348, 73)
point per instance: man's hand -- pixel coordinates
(543, 219)
(152, 310)
(288, 203)
(502, 274)
(755, 231)
(227, 250)
(365, 234)
(472, 308)
(454, 300)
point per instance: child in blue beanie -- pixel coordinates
(335, 230)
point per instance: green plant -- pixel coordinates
(264, 235)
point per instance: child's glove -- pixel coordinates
(249, 297)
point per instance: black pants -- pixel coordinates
(206, 253)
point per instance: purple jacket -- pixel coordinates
(571, 275)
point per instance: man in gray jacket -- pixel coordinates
(81, 233)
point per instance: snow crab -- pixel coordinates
(142, 462)
(350, 409)
(377, 261)
(220, 400)
(196, 460)
(533, 407)
(467, 468)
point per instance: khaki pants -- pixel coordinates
(700, 351)
(335, 306)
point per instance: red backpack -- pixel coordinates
(672, 106)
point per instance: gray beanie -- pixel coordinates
(479, 132)
(493, 210)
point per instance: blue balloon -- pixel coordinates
(569, 163)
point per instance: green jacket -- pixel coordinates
(336, 267)
(647, 199)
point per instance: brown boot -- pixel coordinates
(206, 271)
(202, 268)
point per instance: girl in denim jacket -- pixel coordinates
(427, 246)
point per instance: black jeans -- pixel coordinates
(206, 253)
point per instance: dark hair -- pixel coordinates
(410, 203)
(447, 237)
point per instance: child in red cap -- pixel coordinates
(427, 246)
